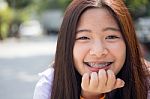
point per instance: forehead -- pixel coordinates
(96, 17)
(96, 10)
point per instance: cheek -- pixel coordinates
(79, 52)
(122, 52)
(119, 52)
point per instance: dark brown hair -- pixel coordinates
(67, 81)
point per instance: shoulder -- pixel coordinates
(43, 86)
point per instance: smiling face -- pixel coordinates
(99, 43)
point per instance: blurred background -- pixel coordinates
(28, 35)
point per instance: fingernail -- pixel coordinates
(122, 83)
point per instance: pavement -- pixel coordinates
(20, 62)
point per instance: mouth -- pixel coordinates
(95, 66)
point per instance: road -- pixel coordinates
(20, 62)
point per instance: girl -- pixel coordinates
(97, 55)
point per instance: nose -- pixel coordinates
(98, 49)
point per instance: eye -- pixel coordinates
(82, 38)
(111, 37)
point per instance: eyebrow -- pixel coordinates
(84, 30)
(111, 28)
(105, 29)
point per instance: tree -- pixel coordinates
(6, 16)
(20, 12)
(138, 8)
(42, 5)
(17, 4)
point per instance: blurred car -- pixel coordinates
(51, 20)
(143, 33)
(30, 28)
(143, 29)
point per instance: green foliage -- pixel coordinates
(18, 3)
(6, 16)
(41, 5)
(10, 16)
(134, 4)
(64, 3)
(138, 8)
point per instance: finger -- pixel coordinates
(85, 81)
(102, 76)
(119, 83)
(93, 80)
(110, 80)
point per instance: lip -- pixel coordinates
(96, 69)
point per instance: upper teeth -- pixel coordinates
(98, 64)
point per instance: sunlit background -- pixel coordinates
(28, 35)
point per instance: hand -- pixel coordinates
(95, 84)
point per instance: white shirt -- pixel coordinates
(44, 86)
